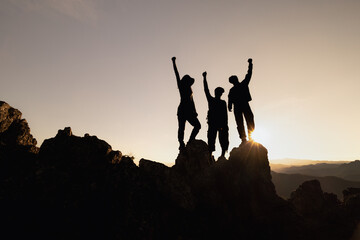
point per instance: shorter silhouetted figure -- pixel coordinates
(239, 96)
(186, 110)
(217, 119)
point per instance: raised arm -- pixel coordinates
(176, 72)
(206, 87)
(249, 73)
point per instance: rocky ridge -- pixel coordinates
(78, 187)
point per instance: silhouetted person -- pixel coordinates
(239, 95)
(186, 110)
(217, 118)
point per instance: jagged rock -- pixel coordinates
(309, 198)
(169, 183)
(78, 187)
(238, 195)
(322, 211)
(115, 157)
(253, 157)
(67, 133)
(7, 116)
(66, 148)
(72, 168)
(349, 193)
(194, 158)
(14, 131)
(155, 168)
(18, 134)
(17, 148)
(352, 201)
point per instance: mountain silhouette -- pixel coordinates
(285, 184)
(348, 171)
(80, 188)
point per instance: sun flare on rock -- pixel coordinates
(260, 135)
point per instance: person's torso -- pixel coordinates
(240, 93)
(217, 114)
(187, 105)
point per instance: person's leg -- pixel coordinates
(224, 140)
(181, 131)
(249, 117)
(240, 124)
(212, 132)
(194, 121)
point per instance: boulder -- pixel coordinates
(251, 158)
(194, 158)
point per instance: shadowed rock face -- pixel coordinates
(78, 187)
(14, 131)
(67, 149)
(352, 201)
(17, 148)
(323, 210)
(7, 116)
(194, 158)
(309, 198)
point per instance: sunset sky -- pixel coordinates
(104, 67)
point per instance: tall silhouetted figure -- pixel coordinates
(217, 118)
(186, 110)
(239, 95)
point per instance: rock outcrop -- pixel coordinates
(68, 150)
(14, 131)
(323, 210)
(78, 187)
(194, 158)
(18, 150)
(352, 201)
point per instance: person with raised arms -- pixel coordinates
(217, 118)
(186, 110)
(239, 96)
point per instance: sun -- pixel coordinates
(260, 135)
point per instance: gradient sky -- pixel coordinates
(103, 67)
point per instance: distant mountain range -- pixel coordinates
(301, 162)
(348, 171)
(333, 177)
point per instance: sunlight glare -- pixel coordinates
(260, 135)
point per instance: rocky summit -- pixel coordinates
(79, 188)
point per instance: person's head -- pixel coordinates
(187, 80)
(218, 92)
(233, 79)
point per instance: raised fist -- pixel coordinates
(250, 60)
(204, 74)
(173, 59)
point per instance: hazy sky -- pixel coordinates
(103, 67)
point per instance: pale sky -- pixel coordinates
(103, 67)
